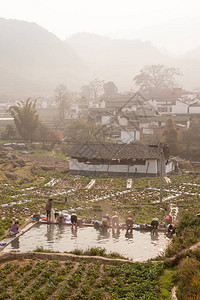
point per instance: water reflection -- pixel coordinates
(154, 236)
(50, 233)
(115, 233)
(104, 234)
(15, 243)
(137, 245)
(61, 230)
(129, 234)
(74, 231)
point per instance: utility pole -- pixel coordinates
(162, 171)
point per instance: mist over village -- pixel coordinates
(100, 150)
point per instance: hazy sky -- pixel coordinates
(115, 18)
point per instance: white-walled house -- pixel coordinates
(133, 160)
(194, 108)
(130, 135)
(180, 107)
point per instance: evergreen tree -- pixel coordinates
(170, 137)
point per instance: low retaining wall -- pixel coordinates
(9, 256)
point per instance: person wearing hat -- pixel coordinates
(105, 221)
(154, 225)
(129, 223)
(49, 206)
(115, 221)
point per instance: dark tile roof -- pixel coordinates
(176, 118)
(114, 151)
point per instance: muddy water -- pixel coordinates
(138, 246)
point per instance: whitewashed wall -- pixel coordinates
(150, 167)
(148, 131)
(105, 120)
(194, 109)
(128, 136)
(169, 167)
(123, 121)
(180, 108)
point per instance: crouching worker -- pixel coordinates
(105, 222)
(170, 230)
(154, 225)
(115, 221)
(14, 229)
(129, 223)
(74, 220)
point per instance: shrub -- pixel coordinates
(188, 279)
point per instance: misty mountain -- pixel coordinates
(193, 54)
(177, 35)
(34, 61)
(119, 60)
(115, 59)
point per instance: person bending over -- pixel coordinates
(14, 229)
(129, 223)
(74, 219)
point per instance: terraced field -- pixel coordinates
(42, 279)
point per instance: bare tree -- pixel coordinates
(156, 78)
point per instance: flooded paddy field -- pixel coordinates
(138, 245)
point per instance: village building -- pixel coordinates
(129, 160)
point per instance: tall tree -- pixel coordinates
(156, 78)
(26, 118)
(62, 98)
(170, 137)
(191, 141)
(96, 87)
(86, 92)
(110, 89)
(80, 131)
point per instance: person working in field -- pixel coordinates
(74, 220)
(49, 206)
(105, 221)
(129, 223)
(14, 229)
(115, 221)
(154, 225)
(170, 230)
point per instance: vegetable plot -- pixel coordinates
(42, 279)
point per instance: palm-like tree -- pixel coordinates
(26, 118)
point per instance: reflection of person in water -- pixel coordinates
(60, 229)
(129, 234)
(115, 233)
(154, 237)
(103, 234)
(50, 232)
(74, 231)
(15, 243)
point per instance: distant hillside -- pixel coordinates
(113, 59)
(34, 61)
(120, 60)
(194, 54)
